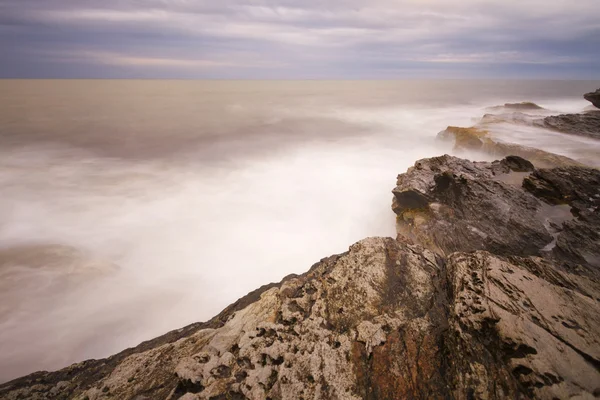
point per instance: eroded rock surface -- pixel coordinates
(452, 204)
(490, 291)
(526, 329)
(364, 324)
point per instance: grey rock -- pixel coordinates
(586, 124)
(450, 204)
(524, 105)
(593, 97)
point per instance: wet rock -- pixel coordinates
(593, 97)
(577, 242)
(586, 124)
(523, 106)
(478, 139)
(517, 164)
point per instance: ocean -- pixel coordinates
(131, 208)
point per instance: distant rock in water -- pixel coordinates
(593, 97)
(514, 118)
(523, 106)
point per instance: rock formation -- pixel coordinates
(585, 124)
(490, 291)
(593, 97)
(524, 105)
(478, 139)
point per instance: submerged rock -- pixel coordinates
(593, 97)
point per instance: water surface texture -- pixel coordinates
(130, 208)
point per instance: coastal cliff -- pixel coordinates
(491, 290)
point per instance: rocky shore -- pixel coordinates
(491, 290)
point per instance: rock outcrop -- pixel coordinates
(490, 291)
(593, 97)
(478, 139)
(505, 207)
(584, 124)
(523, 106)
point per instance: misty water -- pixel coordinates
(131, 208)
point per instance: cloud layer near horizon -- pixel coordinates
(300, 39)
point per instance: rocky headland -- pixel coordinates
(491, 290)
(585, 124)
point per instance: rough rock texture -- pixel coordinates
(586, 124)
(491, 291)
(479, 140)
(364, 324)
(525, 329)
(593, 97)
(450, 204)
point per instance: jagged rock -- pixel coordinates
(451, 204)
(586, 124)
(593, 97)
(357, 325)
(526, 330)
(478, 139)
(577, 242)
(489, 311)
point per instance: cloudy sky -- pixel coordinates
(300, 39)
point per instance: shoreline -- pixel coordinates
(205, 367)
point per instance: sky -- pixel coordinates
(300, 39)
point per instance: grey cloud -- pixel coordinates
(297, 39)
